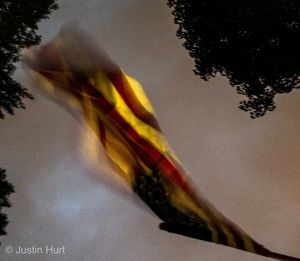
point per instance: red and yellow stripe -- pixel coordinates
(117, 109)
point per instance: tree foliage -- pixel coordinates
(5, 189)
(18, 19)
(255, 44)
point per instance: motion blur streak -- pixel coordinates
(75, 72)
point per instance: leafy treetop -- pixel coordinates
(18, 19)
(254, 43)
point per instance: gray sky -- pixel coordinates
(249, 169)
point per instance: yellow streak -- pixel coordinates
(230, 238)
(248, 244)
(144, 130)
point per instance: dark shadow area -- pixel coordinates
(255, 44)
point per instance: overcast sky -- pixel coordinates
(249, 169)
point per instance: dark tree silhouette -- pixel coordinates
(5, 189)
(18, 19)
(255, 44)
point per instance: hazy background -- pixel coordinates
(248, 168)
